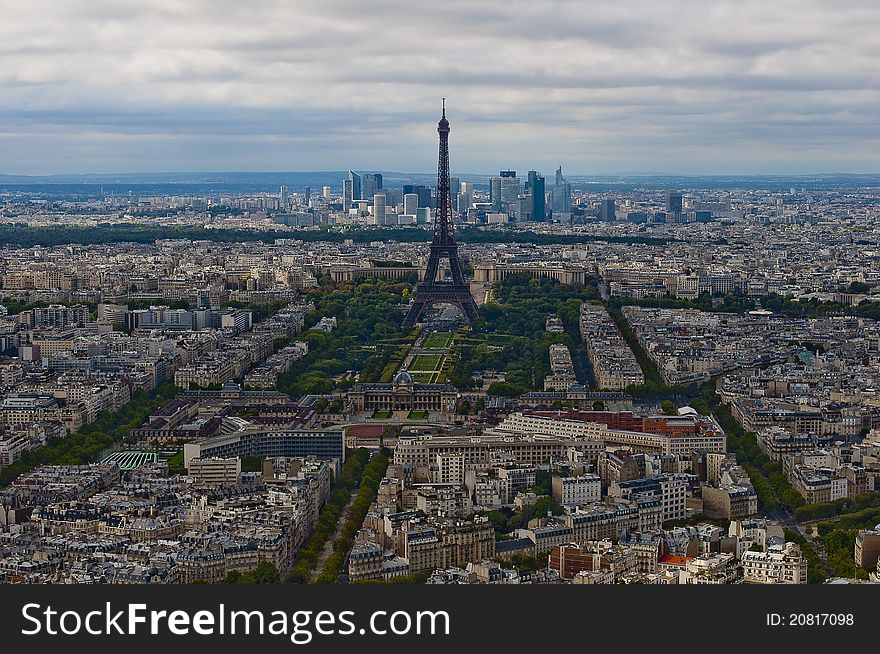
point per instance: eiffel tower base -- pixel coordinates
(455, 294)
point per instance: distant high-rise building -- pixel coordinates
(536, 206)
(674, 201)
(307, 195)
(368, 187)
(283, 196)
(371, 184)
(325, 192)
(394, 196)
(355, 180)
(511, 189)
(495, 193)
(424, 193)
(347, 194)
(410, 203)
(454, 187)
(465, 196)
(608, 210)
(379, 208)
(504, 191)
(520, 209)
(560, 196)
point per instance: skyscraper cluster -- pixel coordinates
(507, 195)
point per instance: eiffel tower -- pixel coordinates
(432, 290)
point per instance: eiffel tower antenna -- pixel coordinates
(432, 290)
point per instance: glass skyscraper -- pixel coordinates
(536, 207)
(355, 180)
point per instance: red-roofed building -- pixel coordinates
(672, 562)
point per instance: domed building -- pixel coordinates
(403, 394)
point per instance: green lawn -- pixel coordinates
(426, 362)
(175, 464)
(424, 377)
(417, 415)
(438, 339)
(381, 415)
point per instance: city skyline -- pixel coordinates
(101, 88)
(241, 387)
(340, 300)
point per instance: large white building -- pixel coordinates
(523, 449)
(215, 472)
(675, 443)
(577, 491)
(527, 424)
(781, 564)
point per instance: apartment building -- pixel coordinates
(613, 362)
(577, 491)
(592, 556)
(670, 490)
(867, 548)
(780, 564)
(561, 375)
(818, 485)
(440, 543)
(729, 501)
(365, 562)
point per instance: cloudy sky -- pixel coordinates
(679, 86)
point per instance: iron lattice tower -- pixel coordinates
(432, 290)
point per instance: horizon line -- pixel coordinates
(826, 173)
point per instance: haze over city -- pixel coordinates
(673, 87)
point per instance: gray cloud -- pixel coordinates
(676, 85)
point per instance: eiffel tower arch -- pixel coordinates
(432, 290)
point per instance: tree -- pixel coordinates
(543, 483)
(505, 389)
(266, 573)
(598, 405)
(234, 577)
(668, 408)
(701, 407)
